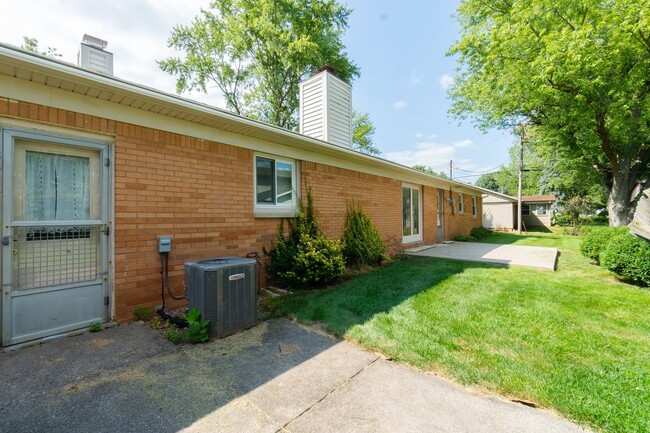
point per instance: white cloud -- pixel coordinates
(446, 81)
(435, 155)
(399, 105)
(136, 42)
(416, 77)
(462, 144)
(419, 136)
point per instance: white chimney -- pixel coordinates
(326, 107)
(93, 55)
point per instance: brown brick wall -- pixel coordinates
(201, 193)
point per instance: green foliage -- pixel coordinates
(258, 52)
(305, 257)
(172, 333)
(156, 322)
(95, 327)
(362, 243)
(596, 240)
(562, 219)
(576, 71)
(31, 44)
(196, 331)
(362, 131)
(430, 170)
(480, 232)
(142, 313)
(627, 256)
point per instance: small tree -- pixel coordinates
(362, 243)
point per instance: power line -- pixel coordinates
(482, 172)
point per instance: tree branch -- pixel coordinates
(605, 143)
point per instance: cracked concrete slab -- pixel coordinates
(388, 397)
(275, 377)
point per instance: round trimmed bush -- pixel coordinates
(596, 239)
(628, 257)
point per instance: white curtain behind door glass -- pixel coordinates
(56, 187)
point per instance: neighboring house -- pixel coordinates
(500, 210)
(95, 169)
(536, 210)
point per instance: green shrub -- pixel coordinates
(362, 244)
(196, 331)
(628, 257)
(142, 313)
(172, 333)
(480, 232)
(305, 257)
(562, 219)
(464, 238)
(596, 239)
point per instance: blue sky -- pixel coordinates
(399, 46)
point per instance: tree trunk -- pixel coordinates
(618, 201)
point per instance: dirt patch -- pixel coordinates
(101, 342)
(287, 349)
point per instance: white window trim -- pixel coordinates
(545, 210)
(276, 210)
(461, 203)
(522, 210)
(418, 237)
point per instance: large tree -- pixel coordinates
(577, 71)
(363, 130)
(256, 52)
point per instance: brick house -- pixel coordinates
(95, 168)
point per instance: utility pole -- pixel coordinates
(451, 163)
(521, 176)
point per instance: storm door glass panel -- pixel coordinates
(57, 187)
(406, 211)
(416, 211)
(264, 182)
(440, 207)
(284, 182)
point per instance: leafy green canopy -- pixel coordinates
(258, 51)
(363, 130)
(578, 71)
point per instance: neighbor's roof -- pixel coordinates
(497, 194)
(549, 197)
(53, 73)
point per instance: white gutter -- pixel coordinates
(68, 71)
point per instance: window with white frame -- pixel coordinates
(275, 186)
(411, 214)
(461, 203)
(541, 209)
(525, 209)
(474, 207)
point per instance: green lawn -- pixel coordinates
(574, 340)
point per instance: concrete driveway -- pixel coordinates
(511, 255)
(276, 377)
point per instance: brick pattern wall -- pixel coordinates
(201, 193)
(333, 188)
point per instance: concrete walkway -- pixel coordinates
(512, 255)
(276, 377)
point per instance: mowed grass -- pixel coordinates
(575, 340)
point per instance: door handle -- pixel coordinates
(6, 240)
